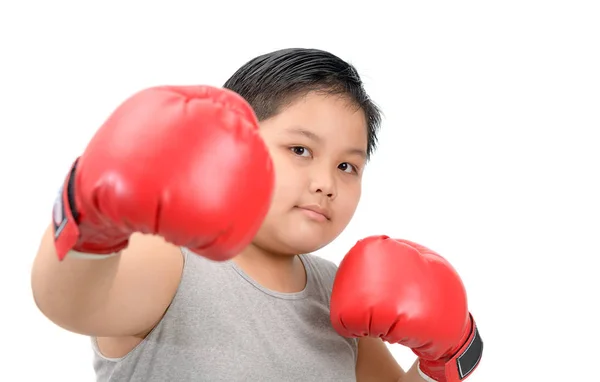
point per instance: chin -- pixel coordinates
(291, 243)
(302, 246)
(295, 236)
(301, 240)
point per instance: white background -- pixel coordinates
(489, 151)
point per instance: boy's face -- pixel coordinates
(318, 146)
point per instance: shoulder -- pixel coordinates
(325, 268)
(322, 271)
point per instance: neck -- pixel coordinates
(282, 273)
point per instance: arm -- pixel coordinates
(122, 295)
(128, 184)
(377, 364)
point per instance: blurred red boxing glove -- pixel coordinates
(183, 162)
(405, 293)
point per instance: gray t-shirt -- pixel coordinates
(223, 326)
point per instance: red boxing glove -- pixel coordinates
(405, 293)
(186, 163)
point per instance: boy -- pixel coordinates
(181, 239)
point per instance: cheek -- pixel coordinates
(347, 203)
(288, 181)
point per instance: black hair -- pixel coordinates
(272, 81)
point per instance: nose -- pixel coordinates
(323, 181)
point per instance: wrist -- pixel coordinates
(459, 364)
(424, 376)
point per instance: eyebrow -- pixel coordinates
(297, 130)
(305, 133)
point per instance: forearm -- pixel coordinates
(64, 291)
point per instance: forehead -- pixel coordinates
(331, 117)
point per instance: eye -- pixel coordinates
(300, 151)
(347, 167)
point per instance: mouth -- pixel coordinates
(315, 212)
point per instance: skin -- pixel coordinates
(318, 146)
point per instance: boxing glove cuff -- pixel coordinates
(460, 365)
(68, 236)
(64, 216)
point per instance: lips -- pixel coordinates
(317, 209)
